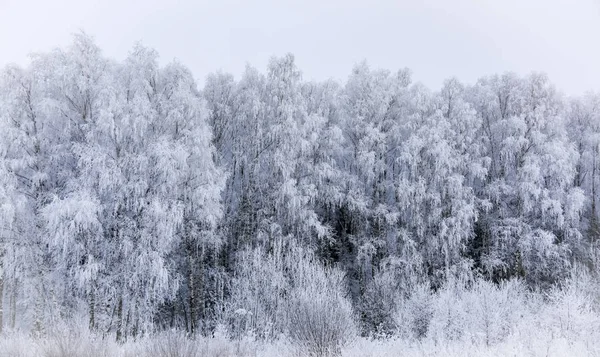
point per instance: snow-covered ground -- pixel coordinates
(538, 345)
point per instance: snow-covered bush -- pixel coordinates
(481, 313)
(378, 305)
(257, 289)
(320, 324)
(76, 345)
(493, 310)
(415, 313)
(287, 290)
(449, 316)
(16, 345)
(320, 318)
(570, 312)
(172, 344)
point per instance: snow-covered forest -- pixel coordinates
(362, 217)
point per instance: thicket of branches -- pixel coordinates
(135, 202)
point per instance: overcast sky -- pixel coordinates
(435, 38)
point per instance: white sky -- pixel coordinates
(435, 38)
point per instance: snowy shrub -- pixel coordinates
(319, 316)
(320, 319)
(320, 324)
(415, 313)
(172, 344)
(385, 295)
(75, 345)
(482, 313)
(378, 305)
(449, 316)
(16, 345)
(257, 289)
(492, 310)
(289, 291)
(570, 312)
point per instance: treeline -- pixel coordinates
(135, 202)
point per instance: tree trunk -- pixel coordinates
(38, 325)
(13, 305)
(136, 320)
(92, 306)
(120, 319)
(192, 297)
